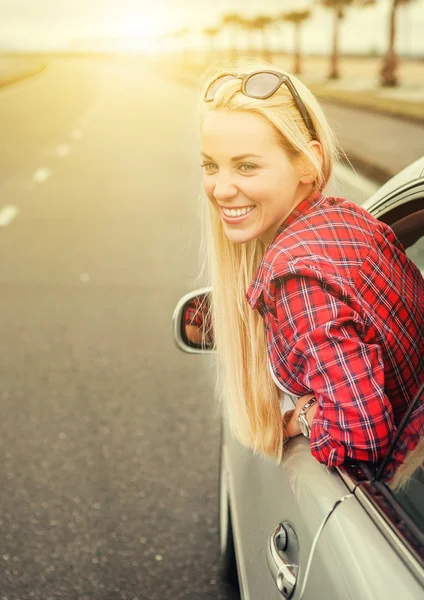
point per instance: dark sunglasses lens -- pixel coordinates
(261, 85)
(210, 94)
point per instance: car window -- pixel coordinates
(416, 253)
(411, 496)
(406, 482)
(409, 229)
(409, 490)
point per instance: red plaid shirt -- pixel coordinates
(343, 308)
(198, 313)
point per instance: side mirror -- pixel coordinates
(192, 322)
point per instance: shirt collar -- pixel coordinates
(262, 274)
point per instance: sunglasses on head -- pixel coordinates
(261, 85)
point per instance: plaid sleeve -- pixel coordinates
(328, 356)
(194, 313)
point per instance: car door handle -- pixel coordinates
(283, 558)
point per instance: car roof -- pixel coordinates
(412, 173)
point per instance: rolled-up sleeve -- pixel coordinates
(328, 356)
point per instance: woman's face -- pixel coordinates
(248, 176)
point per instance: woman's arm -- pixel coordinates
(291, 424)
(353, 417)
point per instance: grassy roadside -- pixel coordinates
(410, 110)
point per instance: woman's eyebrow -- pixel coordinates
(239, 157)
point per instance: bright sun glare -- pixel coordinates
(139, 34)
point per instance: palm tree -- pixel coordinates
(245, 27)
(338, 7)
(249, 29)
(388, 70)
(297, 17)
(261, 23)
(234, 22)
(179, 36)
(211, 34)
(162, 41)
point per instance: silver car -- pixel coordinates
(300, 529)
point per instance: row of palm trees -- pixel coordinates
(262, 25)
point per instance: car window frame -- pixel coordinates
(394, 523)
(381, 505)
(378, 500)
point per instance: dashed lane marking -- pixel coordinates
(63, 150)
(41, 175)
(76, 134)
(7, 214)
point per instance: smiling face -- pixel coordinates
(248, 176)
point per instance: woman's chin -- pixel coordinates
(238, 236)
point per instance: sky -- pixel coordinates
(133, 24)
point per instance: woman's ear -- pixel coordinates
(308, 172)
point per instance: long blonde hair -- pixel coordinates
(250, 398)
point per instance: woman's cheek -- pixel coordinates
(208, 190)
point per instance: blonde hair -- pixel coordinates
(412, 465)
(250, 398)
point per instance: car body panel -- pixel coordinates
(359, 561)
(350, 551)
(261, 495)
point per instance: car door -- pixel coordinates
(299, 493)
(358, 554)
(377, 540)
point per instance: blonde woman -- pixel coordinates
(312, 296)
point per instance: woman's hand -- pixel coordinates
(291, 424)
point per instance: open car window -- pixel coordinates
(409, 229)
(407, 484)
(410, 494)
(394, 498)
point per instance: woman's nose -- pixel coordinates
(224, 189)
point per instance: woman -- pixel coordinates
(310, 293)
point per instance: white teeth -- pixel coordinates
(232, 212)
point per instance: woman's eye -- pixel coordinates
(247, 167)
(209, 166)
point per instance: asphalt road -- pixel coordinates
(108, 433)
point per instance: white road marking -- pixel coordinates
(7, 214)
(76, 134)
(84, 277)
(63, 150)
(362, 184)
(41, 175)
